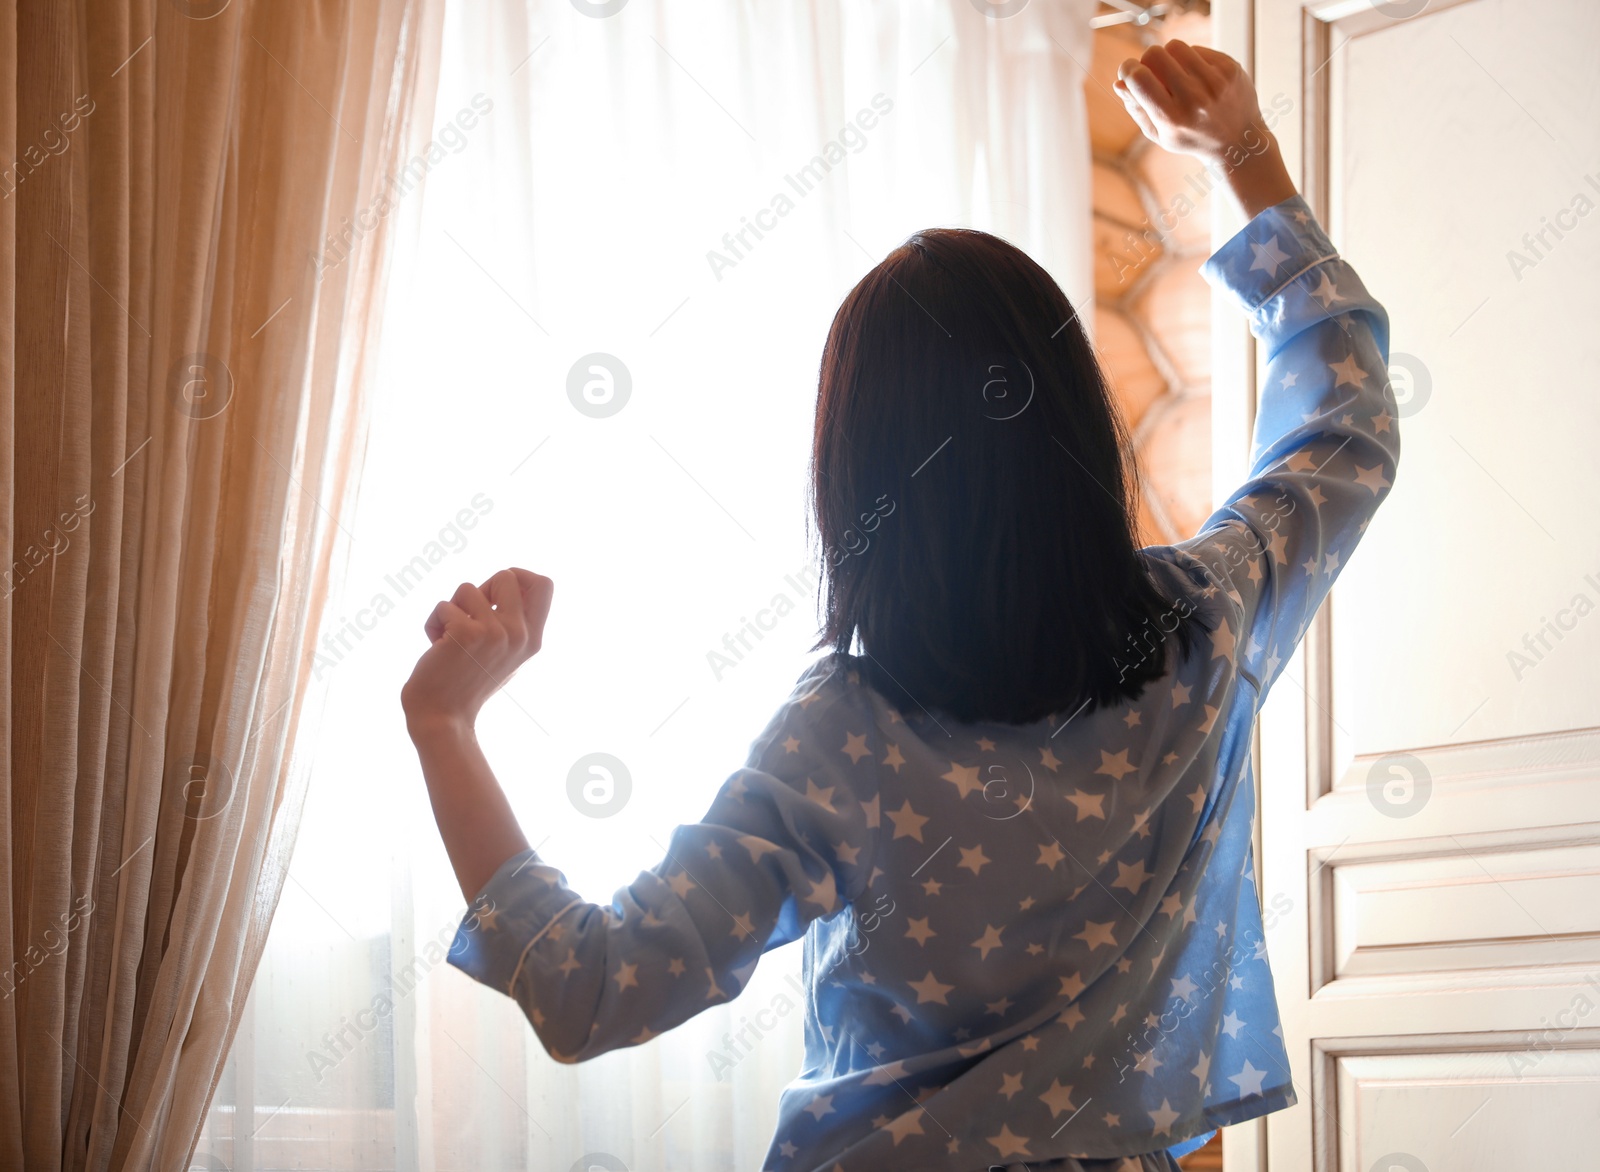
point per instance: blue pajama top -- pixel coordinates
(1022, 943)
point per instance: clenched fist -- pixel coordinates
(1196, 101)
(479, 636)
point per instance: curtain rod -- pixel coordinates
(1142, 15)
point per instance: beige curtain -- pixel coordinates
(195, 210)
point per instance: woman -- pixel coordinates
(1014, 828)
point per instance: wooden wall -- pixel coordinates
(1152, 311)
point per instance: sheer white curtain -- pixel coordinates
(603, 372)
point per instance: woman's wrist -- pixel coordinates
(432, 727)
(1259, 180)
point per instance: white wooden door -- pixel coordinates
(1430, 763)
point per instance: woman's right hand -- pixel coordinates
(1197, 101)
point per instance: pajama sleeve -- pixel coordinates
(788, 839)
(1326, 440)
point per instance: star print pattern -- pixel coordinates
(1075, 913)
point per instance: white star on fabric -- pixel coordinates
(1349, 373)
(1268, 257)
(884, 1075)
(1202, 1068)
(1371, 478)
(908, 1124)
(1224, 641)
(930, 988)
(1326, 292)
(1050, 854)
(893, 759)
(855, 747)
(907, 822)
(822, 795)
(989, 940)
(964, 778)
(1088, 805)
(1095, 935)
(1132, 878)
(1232, 1024)
(1183, 987)
(757, 847)
(1008, 1143)
(1163, 1117)
(919, 930)
(1249, 1079)
(1058, 1098)
(1049, 760)
(819, 1106)
(1116, 765)
(824, 894)
(973, 859)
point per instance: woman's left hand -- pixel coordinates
(480, 637)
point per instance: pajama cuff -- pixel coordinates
(513, 912)
(1271, 268)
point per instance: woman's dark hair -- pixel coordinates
(973, 492)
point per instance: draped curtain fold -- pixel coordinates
(195, 215)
